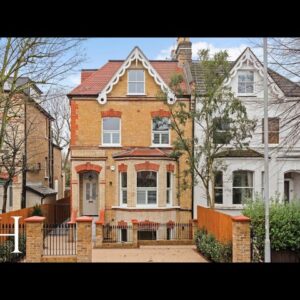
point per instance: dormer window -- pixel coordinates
(136, 82)
(245, 82)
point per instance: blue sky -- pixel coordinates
(99, 50)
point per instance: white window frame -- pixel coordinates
(147, 189)
(242, 187)
(111, 131)
(122, 189)
(128, 93)
(246, 93)
(169, 190)
(160, 145)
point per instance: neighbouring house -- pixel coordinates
(40, 179)
(244, 174)
(121, 142)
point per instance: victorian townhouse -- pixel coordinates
(121, 142)
(243, 177)
(38, 178)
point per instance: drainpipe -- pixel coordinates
(24, 161)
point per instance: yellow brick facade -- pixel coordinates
(136, 131)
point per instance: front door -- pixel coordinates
(90, 194)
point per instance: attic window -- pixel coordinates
(245, 82)
(136, 82)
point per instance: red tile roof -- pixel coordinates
(98, 80)
(142, 152)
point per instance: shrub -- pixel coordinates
(211, 248)
(7, 247)
(284, 225)
(37, 211)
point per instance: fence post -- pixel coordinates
(84, 239)
(194, 228)
(241, 242)
(34, 238)
(135, 233)
(99, 234)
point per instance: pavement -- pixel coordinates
(178, 253)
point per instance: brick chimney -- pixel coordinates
(183, 52)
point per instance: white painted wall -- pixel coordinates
(278, 166)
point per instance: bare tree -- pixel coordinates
(44, 61)
(57, 104)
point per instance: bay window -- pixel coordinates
(123, 188)
(111, 131)
(146, 188)
(169, 188)
(219, 187)
(242, 186)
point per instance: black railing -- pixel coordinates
(7, 243)
(117, 233)
(59, 239)
(165, 231)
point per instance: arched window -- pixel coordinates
(242, 186)
(146, 188)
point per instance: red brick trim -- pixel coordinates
(35, 219)
(74, 125)
(160, 114)
(240, 219)
(73, 217)
(122, 224)
(170, 224)
(111, 113)
(147, 166)
(88, 167)
(101, 217)
(170, 168)
(84, 219)
(122, 168)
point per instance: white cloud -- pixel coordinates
(74, 79)
(233, 52)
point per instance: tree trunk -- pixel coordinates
(5, 189)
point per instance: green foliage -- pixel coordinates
(212, 249)
(284, 225)
(7, 247)
(37, 211)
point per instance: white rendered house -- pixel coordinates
(243, 176)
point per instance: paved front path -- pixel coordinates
(187, 253)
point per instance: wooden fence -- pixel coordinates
(216, 223)
(54, 213)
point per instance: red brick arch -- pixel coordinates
(88, 167)
(160, 114)
(147, 166)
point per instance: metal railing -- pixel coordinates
(59, 239)
(113, 233)
(165, 231)
(7, 243)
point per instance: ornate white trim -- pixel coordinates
(248, 57)
(136, 54)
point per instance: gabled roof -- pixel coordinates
(101, 81)
(142, 152)
(288, 87)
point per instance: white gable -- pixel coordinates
(136, 54)
(248, 61)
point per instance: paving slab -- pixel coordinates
(178, 253)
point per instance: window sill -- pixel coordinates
(160, 146)
(142, 94)
(111, 146)
(232, 206)
(246, 95)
